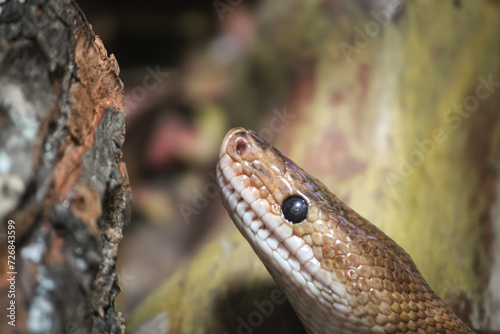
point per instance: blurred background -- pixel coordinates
(394, 104)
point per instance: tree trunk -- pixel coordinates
(394, 107)
(64, 194)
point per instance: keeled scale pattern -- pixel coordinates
(340, 273)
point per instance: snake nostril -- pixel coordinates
(241, 145)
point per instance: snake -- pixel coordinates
(339, 272)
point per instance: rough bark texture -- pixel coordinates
(61, 178)
(389, 116)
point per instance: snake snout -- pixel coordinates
(233, 141)
(239, 145)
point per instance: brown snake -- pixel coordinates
(340, 273)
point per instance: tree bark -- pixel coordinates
(388, 114)
(64, 190)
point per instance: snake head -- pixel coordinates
(340, 273)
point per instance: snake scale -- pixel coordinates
(340, 273)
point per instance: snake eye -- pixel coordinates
(294, 209)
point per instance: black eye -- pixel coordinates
(294, 209)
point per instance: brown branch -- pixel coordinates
(61, 178)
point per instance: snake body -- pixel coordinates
(340, 273)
